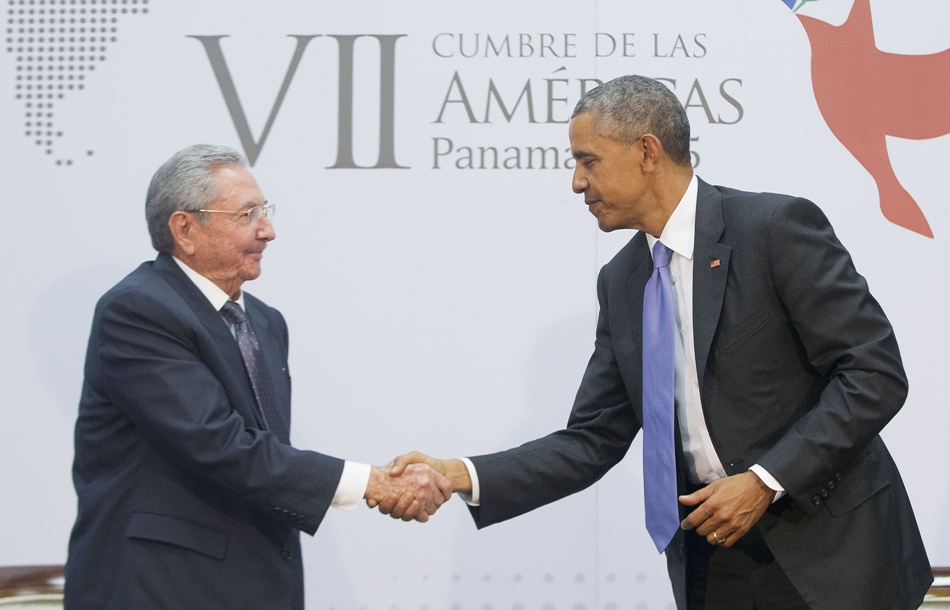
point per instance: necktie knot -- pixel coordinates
(661, 255)
(233, 313)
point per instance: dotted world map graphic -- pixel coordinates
(58, 45)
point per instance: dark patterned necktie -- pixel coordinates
(254, 363)
(659, 378)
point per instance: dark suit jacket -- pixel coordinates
(185, 501)
(799, 371)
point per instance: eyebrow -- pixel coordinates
(582, 154)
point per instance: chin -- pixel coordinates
(605, 226)
(251, 273)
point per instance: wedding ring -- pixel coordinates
(718, 539)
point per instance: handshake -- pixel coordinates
(414, 485)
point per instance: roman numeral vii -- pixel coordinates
(344, 156)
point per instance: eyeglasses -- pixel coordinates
(250, 216)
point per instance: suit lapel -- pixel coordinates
(258, 321)
(234, 374)
(710, 272)
(271, 352)
(640, 272)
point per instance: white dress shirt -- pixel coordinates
(352, 486)
(702, 463)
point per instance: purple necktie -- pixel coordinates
(659, 377)
(254, 363)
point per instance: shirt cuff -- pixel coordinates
(352, 486)
(473, 498)
(769, 481)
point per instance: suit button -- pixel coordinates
(831, 484)
(838, 477)
(824, 493)
(301, 519)
(816, 500)
(287, 554)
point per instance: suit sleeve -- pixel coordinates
(599, 431)
(154, 369)
(846, 339)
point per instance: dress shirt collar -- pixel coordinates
(215, 295)
(680, 230)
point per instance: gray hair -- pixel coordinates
(628, 107)
(184, 183)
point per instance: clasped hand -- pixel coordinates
(452, 476)
(416, 490)
(728, 508)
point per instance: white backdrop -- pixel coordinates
(435, 306)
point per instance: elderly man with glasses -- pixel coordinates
(190, 494)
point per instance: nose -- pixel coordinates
(579, 181)
(265, 229)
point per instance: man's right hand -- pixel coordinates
(402, 508)
(418, 490)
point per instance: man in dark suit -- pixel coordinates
(190, 494)
(785, 370)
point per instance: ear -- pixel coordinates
(182, 225)
(652, 151)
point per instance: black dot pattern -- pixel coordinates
(58, 45)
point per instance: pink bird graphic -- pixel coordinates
(865, 94)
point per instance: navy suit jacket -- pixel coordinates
(185, 500)
(798, 370)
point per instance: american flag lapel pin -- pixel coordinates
(714, 264)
